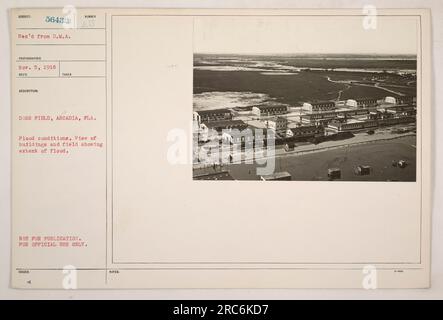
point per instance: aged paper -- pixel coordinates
(220, 148)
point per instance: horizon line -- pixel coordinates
(307, 53)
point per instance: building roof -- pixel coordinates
(271, 106)
(303, 128)
(317, 102)
(211, 111)
(225, 124)
(219, 125)
(319, 115)
(353, 121)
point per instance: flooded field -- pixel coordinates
(314, 166)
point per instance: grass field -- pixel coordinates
(295, 87)
(290, 89)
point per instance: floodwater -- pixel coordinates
(314, 166)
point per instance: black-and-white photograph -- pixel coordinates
(327, 98)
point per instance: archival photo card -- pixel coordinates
(149, 148)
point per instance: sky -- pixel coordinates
(302, 34)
